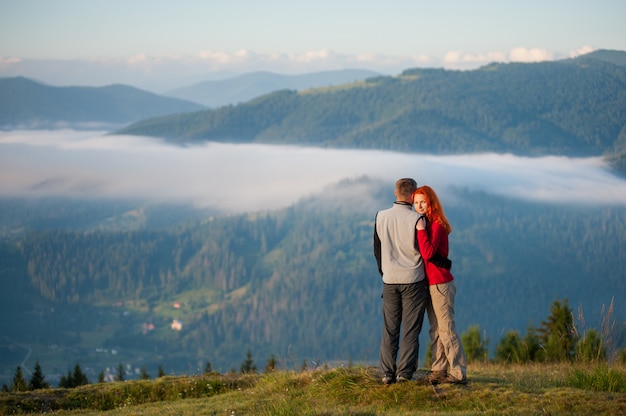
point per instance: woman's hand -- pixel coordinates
(421, 223)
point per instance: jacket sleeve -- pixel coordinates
(430, 241)
(377, 249)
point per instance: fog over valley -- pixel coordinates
(250, 177)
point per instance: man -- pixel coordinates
(405, 288)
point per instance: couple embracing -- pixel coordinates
(411, 249)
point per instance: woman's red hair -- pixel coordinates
(435, 209)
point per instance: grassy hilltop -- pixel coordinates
(552, 389)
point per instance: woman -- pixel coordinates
(449, 363)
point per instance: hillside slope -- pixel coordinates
(27, 103)
(299, 282)
(574, 107)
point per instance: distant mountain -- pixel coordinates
(573, 107)
(245, 87)
(610, 56)
(24, 102)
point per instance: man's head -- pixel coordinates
(404, 189)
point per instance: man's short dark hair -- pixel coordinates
(405, 187)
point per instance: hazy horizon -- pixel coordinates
(170, 45)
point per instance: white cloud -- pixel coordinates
(167, 72)
(9, 60)
(319, 55)
(583, 50)
(238, 178)
(459, 58)
(522, 54)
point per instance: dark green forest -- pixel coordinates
(299, 283)
(572, 107)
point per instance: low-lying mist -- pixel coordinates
(251, 177)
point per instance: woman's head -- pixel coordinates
(426, 202)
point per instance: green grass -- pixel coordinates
(555, 389)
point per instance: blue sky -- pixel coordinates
(189, 37)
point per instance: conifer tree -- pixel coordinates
(19, 382)
(208, 369)
(66, 381)
(428, 358)
(37, 381)
(557, 333)
(590, 348)
(161, 372)
(531, 345)
(510, 350)
(474, 345)
(101, 377)
(78, 377)
(144, 374)
(271, 364)
(248, 364)
(120, 373)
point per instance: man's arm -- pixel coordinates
(377, 248)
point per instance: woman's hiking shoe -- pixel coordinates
(434, 377)
(453, 380)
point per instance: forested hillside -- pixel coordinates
(25, 103)
(300, 282)
(574, 107)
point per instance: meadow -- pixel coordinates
(502, 389)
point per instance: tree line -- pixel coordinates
(555, 340)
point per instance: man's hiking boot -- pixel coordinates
(401, 379)
(387, 380)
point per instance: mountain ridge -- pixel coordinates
(25, 103)
(244, 87)
(573, 107)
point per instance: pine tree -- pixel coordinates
(19, 383)
(271, 364)
(161, 372)
(37, 381)
(531, 345)
(144, 374)
(510, 350)
(120, 373)
(590, 347)
(101, 377)
(557, 333)
(208, 369)
(428, 358)
(66, 381)
(248, 364)
(78, 377)
(474, 345)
